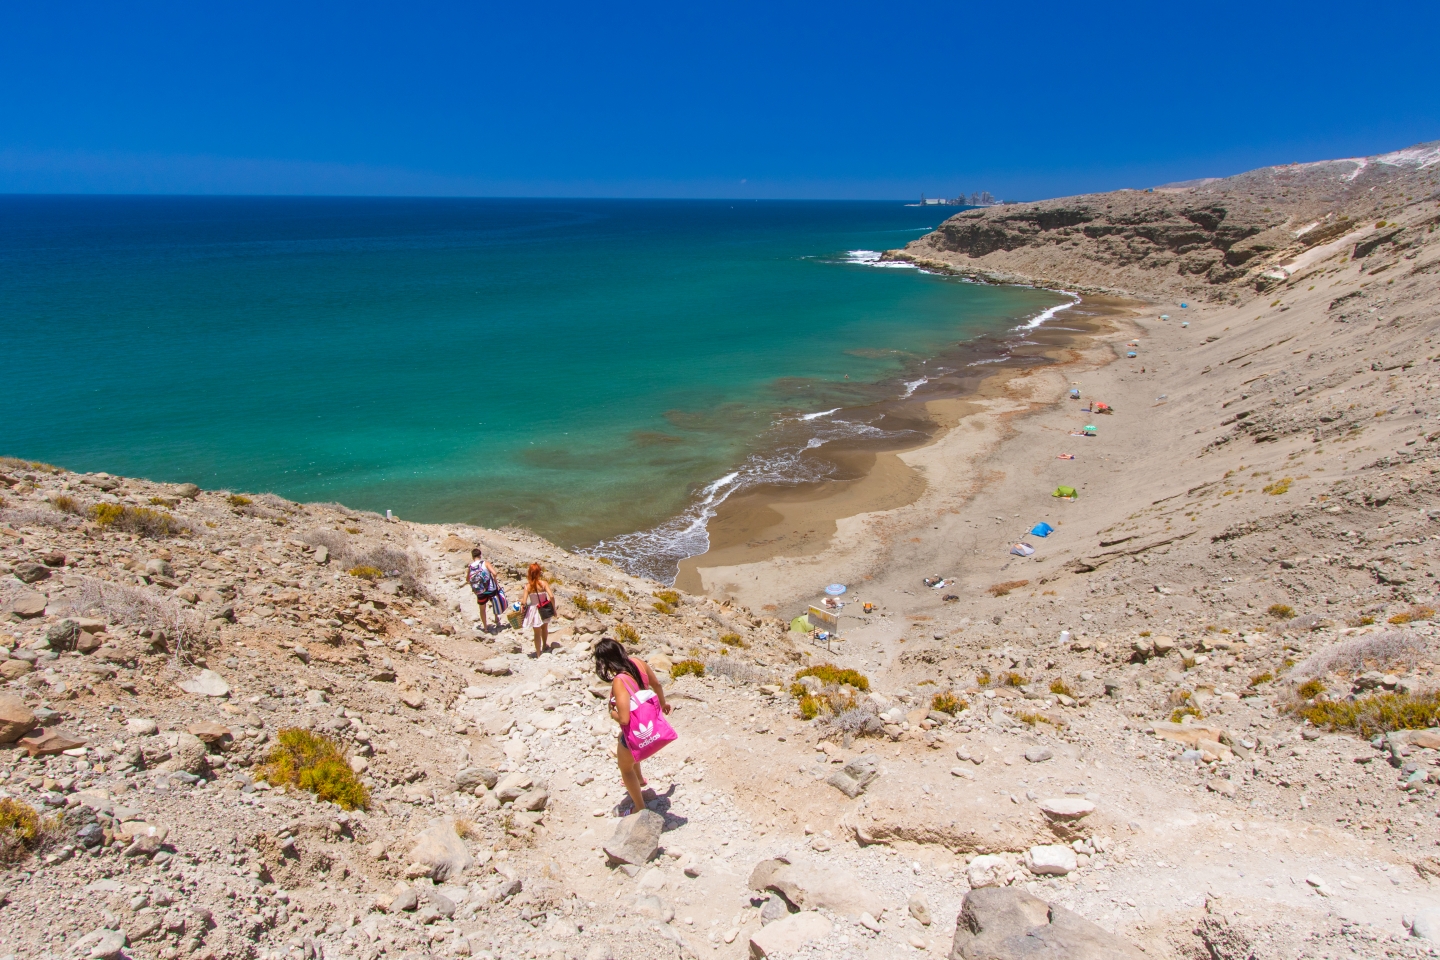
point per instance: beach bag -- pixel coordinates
(498, 603)
(512, 616)
(546, 607)
(648, 730)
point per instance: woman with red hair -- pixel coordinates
(539, 604)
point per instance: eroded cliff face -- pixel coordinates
(1216, 240)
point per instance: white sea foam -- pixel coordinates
(912, 385)
(1050, 314)
(658, 552)
(871, 258)
(817, 416)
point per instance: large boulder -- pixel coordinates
(439, 853)
(16, 719)
(471, 777)
(636, 838)
(784, 937)
(1006, 923)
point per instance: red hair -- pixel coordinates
(534, 576)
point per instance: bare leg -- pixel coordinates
(484, 616)
(630, 774)
(539, 640)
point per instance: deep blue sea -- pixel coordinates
(584, 368)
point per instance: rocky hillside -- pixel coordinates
(1200, 721)
(1220, 240)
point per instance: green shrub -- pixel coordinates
(1013, 679)
(367, 573)
(669, 597)
(236, 500)
(582, 603)
(1310, 689)
(1061, 688)
(1278, 487)
(1378, 713)
(810, 707)
(317, 764)
(153, 524)
(1188, 710)
(734, 640)
(22, 830)
(1411, 615)
(1261, 678)
(663, 607)
(1281, 611)
(626, 633)
(685, 667)
(947, 702)
(829, 673)
(602, 606)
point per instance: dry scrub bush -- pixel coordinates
(1379, 713)
(135, 608)
(1412, 615)
(1060, 688)
(737, 670)
(36, 517)
(143, 521)
(686, 668)
(350, 552)
(734, 640)
(316, 764)
(22, 830)
(829, 674)
(947, 702)
(1003, 589)
(855, 718)
(626, 633)
(1281, 611)
(1375, 651)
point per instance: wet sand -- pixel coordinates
(767, 526)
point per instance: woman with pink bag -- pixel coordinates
(638, 704)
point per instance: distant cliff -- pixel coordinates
(1216, 239)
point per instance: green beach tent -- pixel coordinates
(800, 624)
(1065, 492)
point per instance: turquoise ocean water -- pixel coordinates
(597, 371)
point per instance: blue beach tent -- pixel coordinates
(1042, 529)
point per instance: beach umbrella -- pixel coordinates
(835, 589)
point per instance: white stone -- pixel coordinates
(1052, 858)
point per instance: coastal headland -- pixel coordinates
(1196, 716)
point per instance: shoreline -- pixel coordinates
(775, 525)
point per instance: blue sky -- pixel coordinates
(764, 99)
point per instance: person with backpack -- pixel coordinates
(482, 579)
(635, 695)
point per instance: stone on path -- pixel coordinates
(817, 887)
(30, 572)
(29, 605)
(43, 743)
(636, 838)
(1038, 754)
(496, 667)
(919, 908)
(1006, 923)
(16, 719)
(1051, 859)
(471, 777)
(784, 937)
(439, 852)
(855, 776)
(1066, 808)
(189, 755)
(207, 684)
(103, 944)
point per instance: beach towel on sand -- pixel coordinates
(1023, 550)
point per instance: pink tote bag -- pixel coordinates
(648, 730)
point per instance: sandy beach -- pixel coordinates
(770, 547)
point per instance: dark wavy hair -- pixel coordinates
(611, 660)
